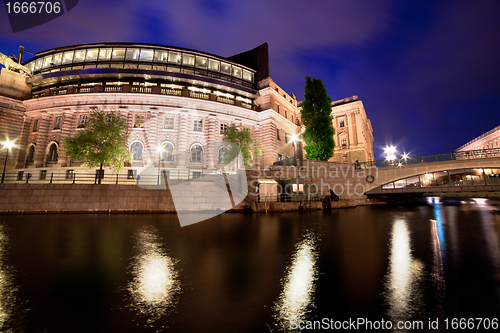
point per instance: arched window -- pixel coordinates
(196, 153)
(222, 151)
(52, 156)
(136, 150)
(31, 154)
(168, 152)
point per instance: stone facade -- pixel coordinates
(488, 140)
(353, 132)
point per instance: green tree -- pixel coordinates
(103, 141)
(317, 119)
(242, 139)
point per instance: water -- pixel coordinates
(249, 273)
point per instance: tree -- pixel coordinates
(317, 119)
(242, 139)
(103, 141)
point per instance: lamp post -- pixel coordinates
(390, 154)
(298, 149)
(160, 151)
(6, 144)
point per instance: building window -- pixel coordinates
(343, 142)
(197, 125)
(31, 154)
(223, 128)
(278, 108)
(286, 137)
(139, 121)
(496, 143)
(169, 122)
(20, 175)
(131, 174)
(136, 150)
(341, 123)
(196, 153)
(487, 146)
(83, 121)
(70, 174)
(285, 114)
(109, 117)
(57, 122)
(36, 125)
(222, 151)
(292, 118)
(344, 158)
(280, 157)
(168, 152)
(196, 174)
(43, 175)
(52, 156)
(278, 133)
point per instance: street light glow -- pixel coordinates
(8, 144)
(159, 149)
(405, 156)
(390, 153)
(295, 137)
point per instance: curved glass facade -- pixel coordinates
(143, 57)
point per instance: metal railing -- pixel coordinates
(65, 177)
(454, 156)
(285, 197)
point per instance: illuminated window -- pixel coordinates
(196, 153)
(201, 62)
(118, 54)
(341, 123)
(187, 59)
(57, 60)
(132, 54)
(47, 61)
(223, 128)
(161, 56)
(67, 58)
(83, 121)
(139, 121)
(169, 122)
(136, 150)
(168, 152)
(280, 157)
(57, 122)
(237, 71)
(105, 54)
(248, 76)
(214, 65)
(146, 55)
(174, 57)
(343, 142)
(79, 56)
(197, 125)
(91, 55)
(225, 68)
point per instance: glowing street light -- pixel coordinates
(6, 144)
(295, 138)
(390, 153)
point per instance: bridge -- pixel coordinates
(475, 171)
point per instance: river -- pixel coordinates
(379, 265)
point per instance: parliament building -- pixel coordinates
(178, 99)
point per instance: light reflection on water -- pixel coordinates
(296, 297)
(7, 289)
(155, 283)
(405, 273)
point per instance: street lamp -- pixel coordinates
(390, 153)
(160, 150)
(297, 153)
(6, 144)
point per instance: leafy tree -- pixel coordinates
(103, 141)
(242, 139)
(317, 119)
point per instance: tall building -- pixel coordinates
(353, 132)
(488, 140)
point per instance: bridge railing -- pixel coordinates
(454, 156)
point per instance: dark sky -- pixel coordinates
(428, 72)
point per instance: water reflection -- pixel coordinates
(296, 298)
(7, 289)
(155, 283)
(405, 273)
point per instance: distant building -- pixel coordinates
(488, 140)
(353, 132)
